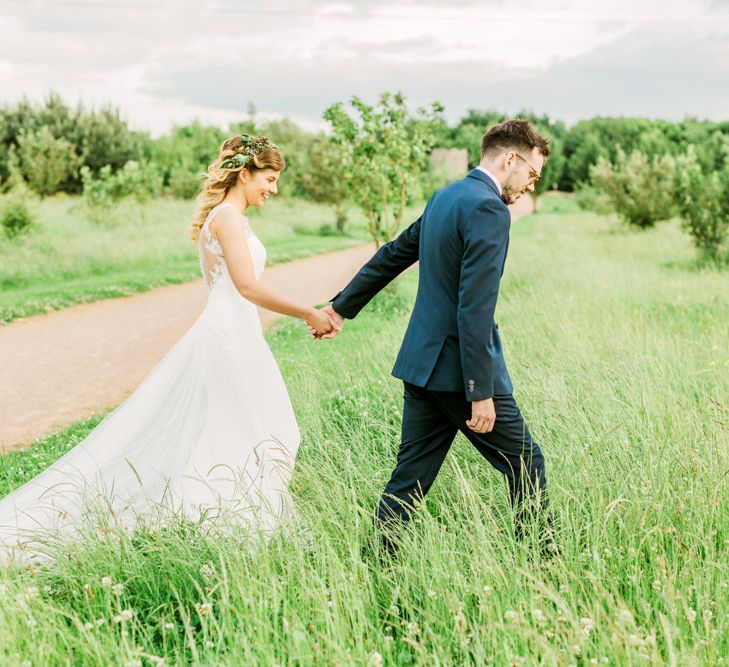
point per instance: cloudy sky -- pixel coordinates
(170, 61)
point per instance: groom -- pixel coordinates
(451, 361)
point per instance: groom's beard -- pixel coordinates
(510, 193)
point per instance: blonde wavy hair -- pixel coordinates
(220, 179)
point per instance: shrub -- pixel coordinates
(702, 201)
(639, 188)
(45, 162)
(133, 180)
(185, 182)
(16, 217)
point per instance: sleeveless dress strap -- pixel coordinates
(213, 213)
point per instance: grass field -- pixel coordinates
(68, 259)
(619, 352)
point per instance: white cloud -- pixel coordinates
(174, 60)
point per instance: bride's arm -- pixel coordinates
(231, 234)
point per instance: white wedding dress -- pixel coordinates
(210, 433)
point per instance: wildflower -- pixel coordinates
(650, 640)
(538, 617)
(31, 591)
(563, 588)
(431, 594)
(387, 639)
(575, 649)
(511, 615)
(634, 640)
(203, 609)
(117, 589)
(394, 610)
(106, 581)
(375, 660)
(487, 590)
(587, 625)
(125, 615)
(656, 585)
(691, 615)
(88, 626)
(625, 617)
(209, 644)
(207, 571)
(169, 626)
(156, 660)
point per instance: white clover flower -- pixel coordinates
(106, 581)
(124, 615)
(394, 610)
(539, 617)
(487, 590)
(31, 591)
(203, 609)
(169, 626)
(89, 626)
(459, 622)
(634, 640)
(208, 571)
(575, 649)
(587, 625)
(375, 660)
(156, 660)
(625, 617)
(650, 640)
(707, 615)
(431, 594)
(117, 589)
(691, 614)
(100, 622)
(511, 615)
(209, 644)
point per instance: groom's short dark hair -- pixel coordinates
(514, 134)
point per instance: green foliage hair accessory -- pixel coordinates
(250, 147)
(236, 161)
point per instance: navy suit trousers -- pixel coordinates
(431, 420)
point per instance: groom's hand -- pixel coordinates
(483, 416)
(337, 322)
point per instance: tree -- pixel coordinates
(637, 186)
(321, 177)
(702, 201)
(44, 161)
(384, 148)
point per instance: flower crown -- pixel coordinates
(250, 147)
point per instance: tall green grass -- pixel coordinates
(619, 352)
(67, 259)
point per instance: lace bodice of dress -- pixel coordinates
(212, 260)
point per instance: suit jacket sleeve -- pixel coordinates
(387, 263)
(485, 236)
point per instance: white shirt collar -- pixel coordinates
(491, 176)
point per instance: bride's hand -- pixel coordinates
(320, 322)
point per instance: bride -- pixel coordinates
(210, 431)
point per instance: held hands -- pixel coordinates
(337, 322)
(483, 416)
(321, 324)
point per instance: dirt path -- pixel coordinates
(63, 366)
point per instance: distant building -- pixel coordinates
(453, 161)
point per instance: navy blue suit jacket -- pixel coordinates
(452, 341)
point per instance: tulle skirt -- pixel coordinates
(209, 435)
